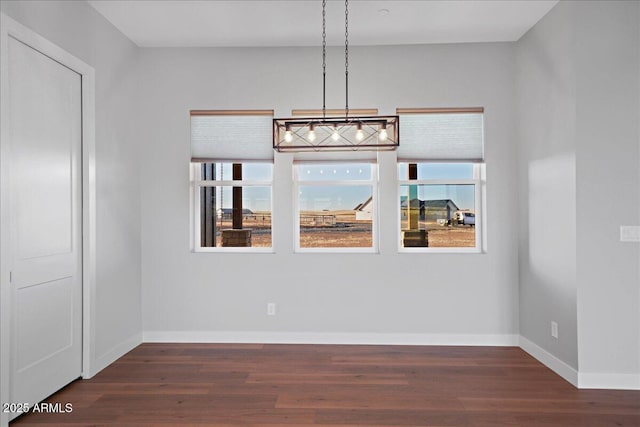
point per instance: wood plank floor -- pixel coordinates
(338, 386)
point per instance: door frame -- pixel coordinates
(9, 28)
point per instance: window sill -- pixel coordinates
(336, 251)
(419, 250)
(234, 250)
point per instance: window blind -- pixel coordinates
(447, 134)
(336, 156)
(231, 135)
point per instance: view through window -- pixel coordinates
(233, 204)
(438, 205)
(336, 205)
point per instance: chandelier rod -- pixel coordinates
(346, 57)
(324, 60)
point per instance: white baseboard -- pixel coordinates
(114, 354)
(550, 361)
(259, 337)
(613, 381)
(582, 380)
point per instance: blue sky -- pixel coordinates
(346, 197)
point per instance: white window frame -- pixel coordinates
(372, 182)
(197, 184)
(477, 181)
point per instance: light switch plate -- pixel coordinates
(630, 233)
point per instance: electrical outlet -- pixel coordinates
(554, 329)
(271, 309)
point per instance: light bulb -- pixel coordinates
(359, 133)
(382, 136)
(312, 134)
(335, 135)
(288, 136)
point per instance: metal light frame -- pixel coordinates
(374, 133)
(336, 134)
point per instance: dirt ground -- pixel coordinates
(438, 236)
(337, 237)
(451, 237)
(347, 232)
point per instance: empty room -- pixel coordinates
(320, 212)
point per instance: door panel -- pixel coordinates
(46, 303)
(45, 174)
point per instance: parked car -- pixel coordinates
(465, 218)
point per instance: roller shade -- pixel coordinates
(336, 156)
(455, 135)
(231, 135)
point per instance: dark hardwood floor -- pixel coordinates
(302, 385)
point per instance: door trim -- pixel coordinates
(9, 28)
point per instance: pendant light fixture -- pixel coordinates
(372, 133)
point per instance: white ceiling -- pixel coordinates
(202, 23)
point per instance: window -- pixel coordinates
(441, 180)
(438, 203)
(233, 205)
(336, 206)
(231, 175)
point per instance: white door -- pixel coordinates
(45, 136)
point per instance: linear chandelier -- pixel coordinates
(373, 133)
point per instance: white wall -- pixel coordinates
(546, 178)
(578, 151)
(607, 135)
(79, 29)
(200, 295)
